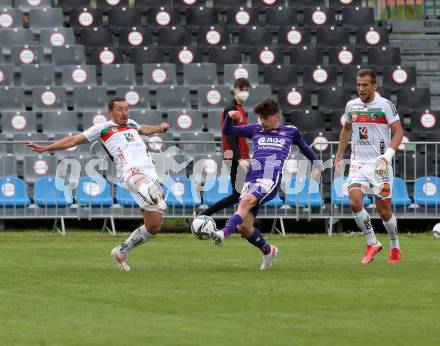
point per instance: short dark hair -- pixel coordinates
(367, 72)
(111, 103)
(241, 83)
(267, 107)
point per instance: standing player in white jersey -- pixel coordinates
(374, 126)
(120, 137)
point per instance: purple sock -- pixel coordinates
(231, 225)
(257, 239)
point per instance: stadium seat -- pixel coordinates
(12, 98)
(162, 17)
(349, 73)
(197, 16)
(78, 75)
(192, 149)
(254, 36)
(239, 17)
(124, 197)
(262, 4)
(294, 36)
(307, 120)
(318, 16)
(134, 37)
(280, 76)
(68, 4)
(427, 191)
(332, 36)
(59, 122)
(20, 150)
(47, 193)
(221, 188)
(337, 119)
(27, 5)
(155, 75)
(146, 116)
(354, 17)
(294, 99)
(18, 122)
(104, 56)
(93, 117)
(7, 4)
(6, 75)
(306, 55)
(304, 3)
(145, 4)
(371, 36)
(124, 17)
(22, 55)
(378, 57)
(223, 4)
(68, 55)
(340, 194)
(89, 98)
(71, 153)
(17, 37)
(160, 142)
(206, 168)
(234, 71)
(45, 18)
(258, 93)
(181, 192)
(214, 122)
(319, 77)
(265, 56)
(37, 75)
(340, 4)
(49, 98)
(114, 75)
(137, 97)
(212, 97)
(90, 193)
(13, 193)
(225, 55)
(8, 165)
(10, 18)
(280, 16)
(181, 121)
(301, 192)
(425, 120)
(199, 74)
(96, 37)
(318, 141)
(396, 77)
(409, 99)
(56, 37)
(400, 197)
(37, 166)
(173, 97)
(108, 4)
(145, 55)
(330, 99)
(274, 203)
(345, 55)
(184, 55)
(174, 37)
(85, 17)
(213, 36)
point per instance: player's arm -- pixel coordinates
(147, 130)
(229, 128)
(308, 152)
(344, 139)
(62, 144)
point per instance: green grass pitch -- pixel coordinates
(58, 290)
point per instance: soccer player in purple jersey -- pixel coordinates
(271, 142)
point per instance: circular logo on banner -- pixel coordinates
(294, 37)
(213, 37)
(113, 2)
(99, 118)
(6, 20)
(135, 38)
(292, 166)
(346, 2)
(163, 18)
(241, 73)
(320, 75)
(159, 75)
(342, 119)
(132, 98)
(91, 188)
(18, 122)
(48, 98)
(155, 143)
(79, 75)
(242, 18)
(41, 167)
(345, 57)
(85, 19)
(107, 57)
(8, 189)
(57, 39)
(267, 57)
(320, 143)
(184, 121)
(294, 98)
(427, 120)
(178, 189)
(269, 2)
(402, 144)
(186, 56)
(400, 76)
(34, 2)
(372, 37)
(319, 17)
(213, 97)
(190, 2)
(2, 76)
(429, 189)
(27, 56)
(210, 166)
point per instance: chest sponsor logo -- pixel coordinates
(363, 133)
(129, 137)
(273, 142)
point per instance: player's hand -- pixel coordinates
(234, 115)
(315, 174)
(244, 164)
(37, 147)
(339, 165)
(381, 163)
(165, 127)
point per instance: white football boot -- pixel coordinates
(122, 260)
(155, 194)
(267, 259)
(218, 236)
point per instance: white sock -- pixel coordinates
(364, 223)
(137, 237)
(391, 226)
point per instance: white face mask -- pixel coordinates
(242, 95)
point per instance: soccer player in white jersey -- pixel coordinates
(374, 126)
(120, 136)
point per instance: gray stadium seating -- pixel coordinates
(37, 75)
(184, 121)
(199, 74)
(234, 71)
(118, 74)
(214, 122)
(78, 75)
(138, 97)
(18, 122)
(173, 97)
(212, 97)
(23, 55)
(155, 75)
(28, 5)
(37, 166)
(68, 55)
(197, 148)
(10, 18)
(90, 118)
(45, 18)
(20, 149)
(258, 93)
(59, 122)
(49, 98)
(146, 117)
(6, 74)
(16, 36)
(8, 166)
(56, 37)
(89, 98)
(12, 98)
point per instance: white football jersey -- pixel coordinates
(371, 127)
(125, 147)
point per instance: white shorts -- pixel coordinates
(365, 176)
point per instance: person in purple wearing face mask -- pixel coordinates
(271, 142)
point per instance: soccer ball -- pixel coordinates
(436, 232)
(202, 227)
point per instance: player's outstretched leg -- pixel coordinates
(231, 226)
(269, 251)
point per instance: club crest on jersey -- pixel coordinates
(373, 117)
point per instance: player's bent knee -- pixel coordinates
(356, 206)
(248, 202)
